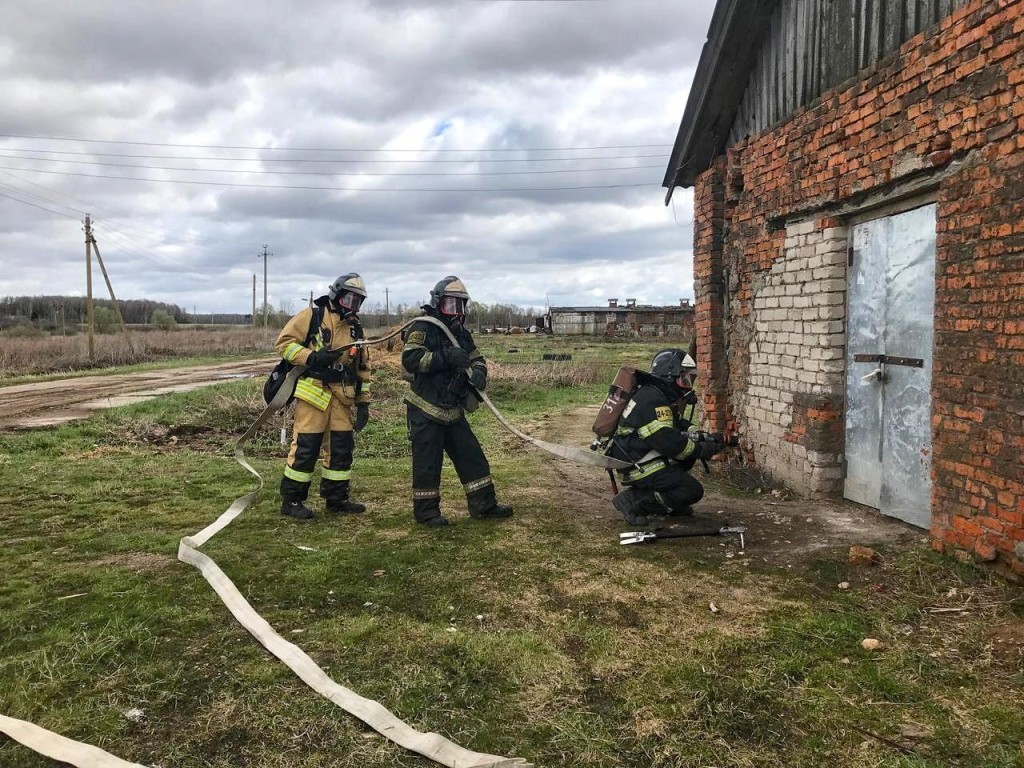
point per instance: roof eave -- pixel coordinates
(718, 86)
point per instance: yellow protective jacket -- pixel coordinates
(349, 379)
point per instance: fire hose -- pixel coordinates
(430, 745)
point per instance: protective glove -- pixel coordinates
(323, 358)
(456, 358)
(362, 416)
(478, 377)
(707, 448)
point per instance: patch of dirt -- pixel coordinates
(49, 403)
(1007, 643)
(781, 530)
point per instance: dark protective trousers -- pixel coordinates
(311, 427)
(673, 488)
(430, 441)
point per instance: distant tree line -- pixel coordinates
(56, 312)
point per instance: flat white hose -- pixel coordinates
(430, 745)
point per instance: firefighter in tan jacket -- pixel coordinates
(332, 398)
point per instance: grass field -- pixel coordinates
(537, 637)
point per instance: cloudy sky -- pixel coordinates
(520, 144)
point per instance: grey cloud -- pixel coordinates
(441, 76)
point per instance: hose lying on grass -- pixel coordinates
(431, 745)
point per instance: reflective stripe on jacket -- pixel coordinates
(334, 332)
(437, 390)
(652, 430)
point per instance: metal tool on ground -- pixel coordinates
(649, 537)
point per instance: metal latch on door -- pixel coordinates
(878, 375)
(913, 362)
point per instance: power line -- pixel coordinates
(330, 189)
(40, 207)
(36, 195)
(326, 173)
(403, 161)
(163, 233)
(110, 232)
(322, 149)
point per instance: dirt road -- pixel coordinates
(46, 403)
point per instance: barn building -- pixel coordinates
(858, 176)
(630, 320)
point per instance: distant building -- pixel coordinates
(626, 320)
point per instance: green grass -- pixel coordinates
(538, 637)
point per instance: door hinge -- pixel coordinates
(849, 255)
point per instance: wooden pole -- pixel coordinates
(88, 287)
(113, 298)
(266, 308)
(253, 299)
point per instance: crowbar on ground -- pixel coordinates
(649, 537)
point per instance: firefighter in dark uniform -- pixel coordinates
(652, 436)
(332, 398)
(436, 404)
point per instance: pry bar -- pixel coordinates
(649, 537)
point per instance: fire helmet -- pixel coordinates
(670, 364)
(450, 296)
(348, 292)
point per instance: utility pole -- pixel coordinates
(264, 256)
(387, 309)
(88, 285)
(253, 299)
(113, 298)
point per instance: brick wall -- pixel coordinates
(947, 109)
(795, 388)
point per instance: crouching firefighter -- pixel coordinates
(332, 397)
(652, 435)
(443, 376)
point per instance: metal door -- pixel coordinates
(890, 323)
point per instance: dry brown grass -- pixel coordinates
(53, 354)
(552, 374)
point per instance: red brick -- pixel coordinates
(918, 113)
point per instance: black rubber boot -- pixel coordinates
(494, 513)
(434, 522)
(297, 510)
(628, 503)
(346, 508)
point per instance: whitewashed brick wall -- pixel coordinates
(797, 348)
